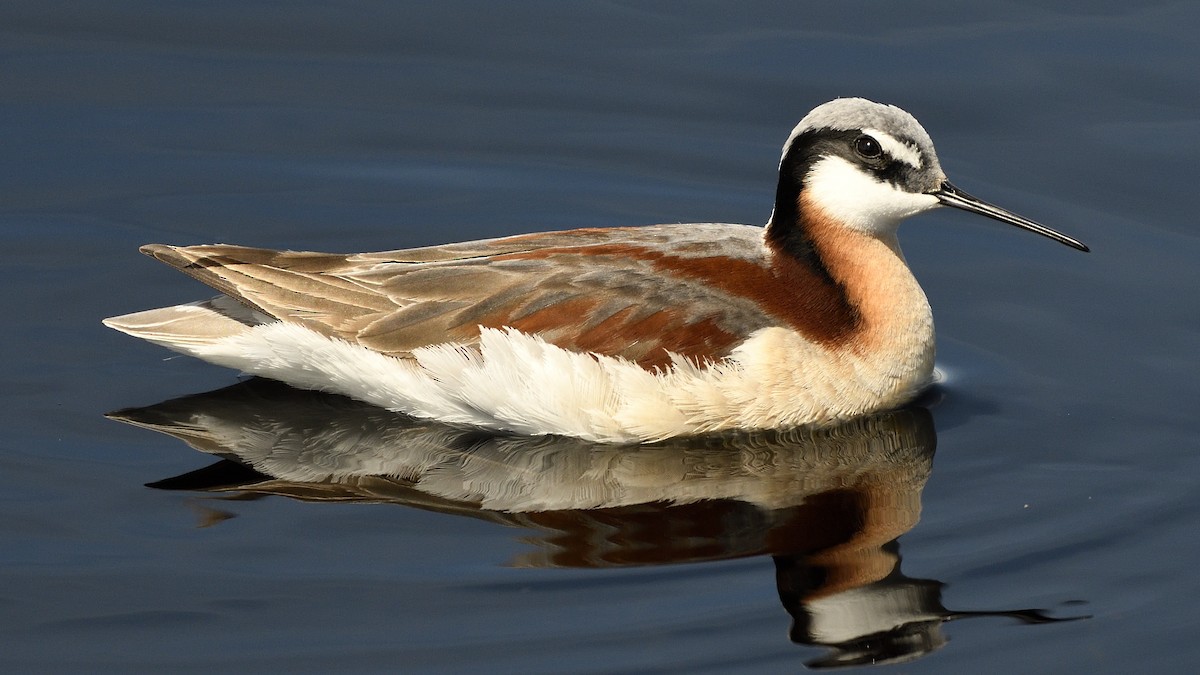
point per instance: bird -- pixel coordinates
(621, 335)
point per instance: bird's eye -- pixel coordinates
(867, 147)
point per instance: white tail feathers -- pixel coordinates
(185, 327)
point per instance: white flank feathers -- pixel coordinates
(518, 382)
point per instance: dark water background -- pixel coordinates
(1068, 463)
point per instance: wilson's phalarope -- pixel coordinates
(617, 335)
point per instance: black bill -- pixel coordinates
(949, 195)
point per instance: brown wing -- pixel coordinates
(638, 293)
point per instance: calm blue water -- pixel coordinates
(1066, 473)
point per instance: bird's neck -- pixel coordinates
(870, 277)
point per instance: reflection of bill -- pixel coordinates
(827, 504)
(889, 620)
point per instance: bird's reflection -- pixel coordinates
(827, 504)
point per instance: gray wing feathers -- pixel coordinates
(396, 301)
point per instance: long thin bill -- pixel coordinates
(952, 196)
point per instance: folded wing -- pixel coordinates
(637, 293)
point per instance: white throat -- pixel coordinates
(861, 201)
